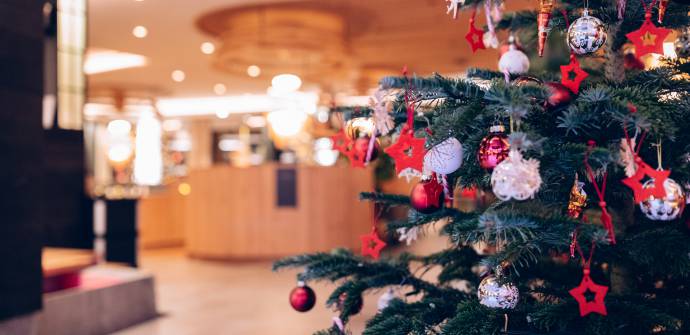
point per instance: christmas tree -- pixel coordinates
(584, 167)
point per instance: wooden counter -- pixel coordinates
(232, 213)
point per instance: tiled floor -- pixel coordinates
(209, 298)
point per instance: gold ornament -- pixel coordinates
(578, 199)
(359, 127)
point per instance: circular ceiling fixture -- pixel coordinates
(286, 83)
(306, 40)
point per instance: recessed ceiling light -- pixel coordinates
(178, 75)
(140, 31)
(208, 48)
(222, 114)
(219, 89)
(286, 82)
(103, 60)
(253, 71)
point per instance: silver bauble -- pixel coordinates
(514, 61)
(492, 294)
(668, 208)
(586, 35)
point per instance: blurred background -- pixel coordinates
(160, 154)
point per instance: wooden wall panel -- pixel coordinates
(160, 219)
(231, 213)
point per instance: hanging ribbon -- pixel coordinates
(601, 191)
(409, 106)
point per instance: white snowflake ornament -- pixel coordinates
(453, 6)
(408, 235)
(515, 177)
(383, 121)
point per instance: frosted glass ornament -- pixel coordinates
(513, 61)
(515, 177)
(445, 157)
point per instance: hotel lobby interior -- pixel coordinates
(344, 167)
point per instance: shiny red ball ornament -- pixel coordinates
(494, 148)
(356, 308)
(427, 196)
(559, 95)
(361, 147)
(302, 298)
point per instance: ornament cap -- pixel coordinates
(497, 128)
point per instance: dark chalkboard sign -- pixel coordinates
(286, 187)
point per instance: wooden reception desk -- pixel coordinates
(260, 212)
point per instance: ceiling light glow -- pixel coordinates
(219, 89)
(222, 114)
(286, 123)
(286, 82)
(100, 61)
(208, 48)
(140, 32)
(178, 76)
(253, 71)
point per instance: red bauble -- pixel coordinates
(361, 147)
(494, 148)
(356, 307)
(559, 95)
(302, 298)
(427, 196)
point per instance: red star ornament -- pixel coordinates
(372, 244)
(407, 152)
(345, 146)
(595, 306)
(341, 142)
(635, 182)
(649, 38)
(574, 67)
(475, 36)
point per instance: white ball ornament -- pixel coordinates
(515, 177)
(586, 35)
(490, 40)
(493, 294)
(513, 61)
(665, 209)
(445, 157)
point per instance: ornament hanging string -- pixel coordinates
(601, 191)
(648, 8)
(409, 105)
(628, 139)
(658, 154)
(489, 21)
(586, 262)
(567, 20)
